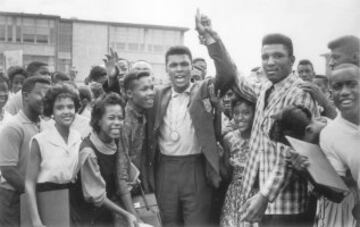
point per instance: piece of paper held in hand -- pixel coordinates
(320, 168)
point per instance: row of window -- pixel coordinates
(25, 34)
(122, 46)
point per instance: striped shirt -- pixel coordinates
(286, 191)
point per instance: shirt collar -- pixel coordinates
(284, 82)
(187, 91)
(130, 108)
(25, 119)
(54, 137)
(107, 149)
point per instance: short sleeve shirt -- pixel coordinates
(14, 139)
(340, 141)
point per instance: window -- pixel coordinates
(133, 46)
(42, 39)
(2, 32)
(18, 33)
(9, 33)
(29, 38)
(120, 46)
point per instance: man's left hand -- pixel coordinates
(254, 208)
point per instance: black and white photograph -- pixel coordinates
(192, 113)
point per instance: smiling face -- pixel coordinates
(111, 121)
(179, 69)
(64, 111)
(276, 62)
(345, 87)
(243, 115)
(142, 94)
(17, 83)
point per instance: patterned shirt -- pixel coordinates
(133, 134)
(286, 191)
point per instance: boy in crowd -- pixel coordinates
(305, 70)
(140, 97)
(340, 139)
(33, 69)
(14, 139)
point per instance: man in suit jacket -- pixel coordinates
(183, 161)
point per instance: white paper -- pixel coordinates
(320, 168)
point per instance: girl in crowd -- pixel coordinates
(4, 95)
(94, 193)
(236, 145)
(86, 101)
(333, 209)
(53, 159)
(16, 76)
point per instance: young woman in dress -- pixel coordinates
(53, 159)
(94, 195)
(236, 145)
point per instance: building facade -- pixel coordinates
(63, 43)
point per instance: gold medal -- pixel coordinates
(174, 136)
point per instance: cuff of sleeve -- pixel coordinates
(100, 200)
(268, 193)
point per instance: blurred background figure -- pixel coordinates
(59, 77)
(344, 49)
(16, 75)
(305, 70)
(4, 95)
(201, 65)
(86, 98)
(257, 76)
(73, 73)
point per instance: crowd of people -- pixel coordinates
(213, 149)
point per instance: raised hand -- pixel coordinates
(203, 26)
(111, 60)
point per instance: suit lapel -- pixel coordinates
(163, 102)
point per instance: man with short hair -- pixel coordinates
(340, 139)
(14, 139)
(183, 161)
(345, 49)
(273, 193)
(35, 68)
(141, 65)
(305, 70)
(200, 64)
(140, 93)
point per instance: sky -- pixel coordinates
(241, 24)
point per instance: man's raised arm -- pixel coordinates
(227, 76)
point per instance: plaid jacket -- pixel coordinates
(267, 166)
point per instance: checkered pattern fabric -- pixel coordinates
(286, 191)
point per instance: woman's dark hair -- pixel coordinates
(60, 91)
(238, 100)
(291, 122)
(15, 70)
(85, 97)
(99, 108)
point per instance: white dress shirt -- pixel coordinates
(177, 120)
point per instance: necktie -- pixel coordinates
(268, 95)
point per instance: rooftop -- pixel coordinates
(124, 24)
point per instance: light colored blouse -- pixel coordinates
(93, 184)
(59, 160)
